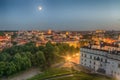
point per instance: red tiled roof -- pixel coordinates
(3, 38)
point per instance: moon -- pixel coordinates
(39, 8)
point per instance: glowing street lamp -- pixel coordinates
(74, 55)
(77, 54)
(68, 58)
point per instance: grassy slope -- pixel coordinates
(51, 73)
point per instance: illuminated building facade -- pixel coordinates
(105, 60)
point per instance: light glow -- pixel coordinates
(68, 58)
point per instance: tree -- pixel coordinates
(2, 34)
(25, 61)
(14, 43)
(22, 57)
(83, 43)
(17, 59)
(29, 55)
(41, 48)
(40, 59)
(4, 57)
(2, 68)
(10, 68)
(49, 53)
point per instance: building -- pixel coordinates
(119, 38)
(3, 38)
(105, 60)
(49, 31)
(100, 31)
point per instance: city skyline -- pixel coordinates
(59, 15)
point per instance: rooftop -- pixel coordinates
(109, 49)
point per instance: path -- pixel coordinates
(27, 74)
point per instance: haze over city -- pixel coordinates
(59, 14)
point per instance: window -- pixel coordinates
(82, 54)
(85, 55)
(101, 60)
(101, 65)
(90, 57)
(90, 61)
(94, 58)
(98, 58)
(111, 72)
(105, 60)
(118, 65)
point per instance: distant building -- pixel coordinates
(119, 38)
(99, 59)
(3, 38)
(22, 42)
(49, 31)
(100, 31)
(67, 33)
(70, 43)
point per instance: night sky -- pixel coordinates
(59, 14)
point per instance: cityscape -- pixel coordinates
(59, 40)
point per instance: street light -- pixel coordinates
(74, 55)
(68, 58)
(77, 54)
(69, 62)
